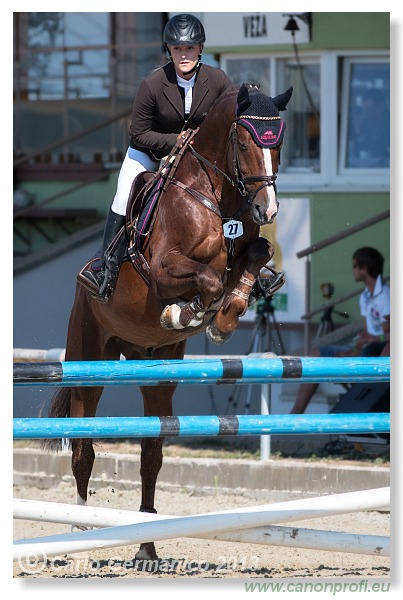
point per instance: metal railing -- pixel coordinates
(307, 252)
(66, 140)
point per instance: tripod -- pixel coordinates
(326, 322)
(261, 341)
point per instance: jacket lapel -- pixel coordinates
(171, 90)
(200, 90)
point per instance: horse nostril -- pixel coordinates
(258, 214)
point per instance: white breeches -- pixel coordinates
(135, 162)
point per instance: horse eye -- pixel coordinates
(243, 147)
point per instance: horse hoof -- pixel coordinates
(147, 552)
(169, 318)
(75, 528)
(216, 336)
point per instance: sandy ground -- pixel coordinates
(186, 559)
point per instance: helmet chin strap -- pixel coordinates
(197, 65)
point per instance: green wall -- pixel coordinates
(350, 30)
(96, 196)
(333, 213)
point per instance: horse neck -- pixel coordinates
(212, 143)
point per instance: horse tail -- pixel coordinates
(59, 408)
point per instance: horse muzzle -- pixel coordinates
(264, 211)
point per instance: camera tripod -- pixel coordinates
(326, 322)
(262, 341)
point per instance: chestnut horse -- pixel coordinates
(199, 280)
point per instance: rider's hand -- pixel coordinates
(180, 140)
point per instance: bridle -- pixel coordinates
(238, 180)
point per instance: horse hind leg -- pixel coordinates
(151, 463)
(83, 404)
(157, 402)
(63, 405)
(59, 408)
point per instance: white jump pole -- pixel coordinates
(193, 526)
(271, 535)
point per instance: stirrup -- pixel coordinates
(265, 287)
(270, 285)
(90, 281)
(91, 287)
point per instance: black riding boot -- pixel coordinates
(99, 276)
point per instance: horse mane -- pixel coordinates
(220, 110)
(231, 93)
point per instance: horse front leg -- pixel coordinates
(173, 278)
(235, 305)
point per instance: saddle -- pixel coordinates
(145, 194)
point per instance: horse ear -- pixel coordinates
(243, 100)
(282, 100)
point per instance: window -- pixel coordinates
(365, 115)
(54, 72)
(303, 113)
(250, 70)
(74, 70)
(302, 116)
(338, 123)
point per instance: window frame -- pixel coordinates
(348, 62)
(333, 121)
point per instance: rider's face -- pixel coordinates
(185, 59)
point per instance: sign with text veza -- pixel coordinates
(251, 29)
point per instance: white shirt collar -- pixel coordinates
(186, 83)
(377, 289)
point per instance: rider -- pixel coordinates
(171, 99)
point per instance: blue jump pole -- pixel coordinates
(238, 425)
(206, 371)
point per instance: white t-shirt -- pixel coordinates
(374, 308)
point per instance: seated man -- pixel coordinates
(374, 307)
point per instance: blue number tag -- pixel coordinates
(233, 229)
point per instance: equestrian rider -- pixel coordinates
(171, 99)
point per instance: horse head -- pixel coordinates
(256, 149)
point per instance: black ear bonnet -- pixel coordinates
(259, 114)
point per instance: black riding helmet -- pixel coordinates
(184, 30)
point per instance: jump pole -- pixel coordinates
(202, 425)
(204, 524)
(271, 535)
(203, 371)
